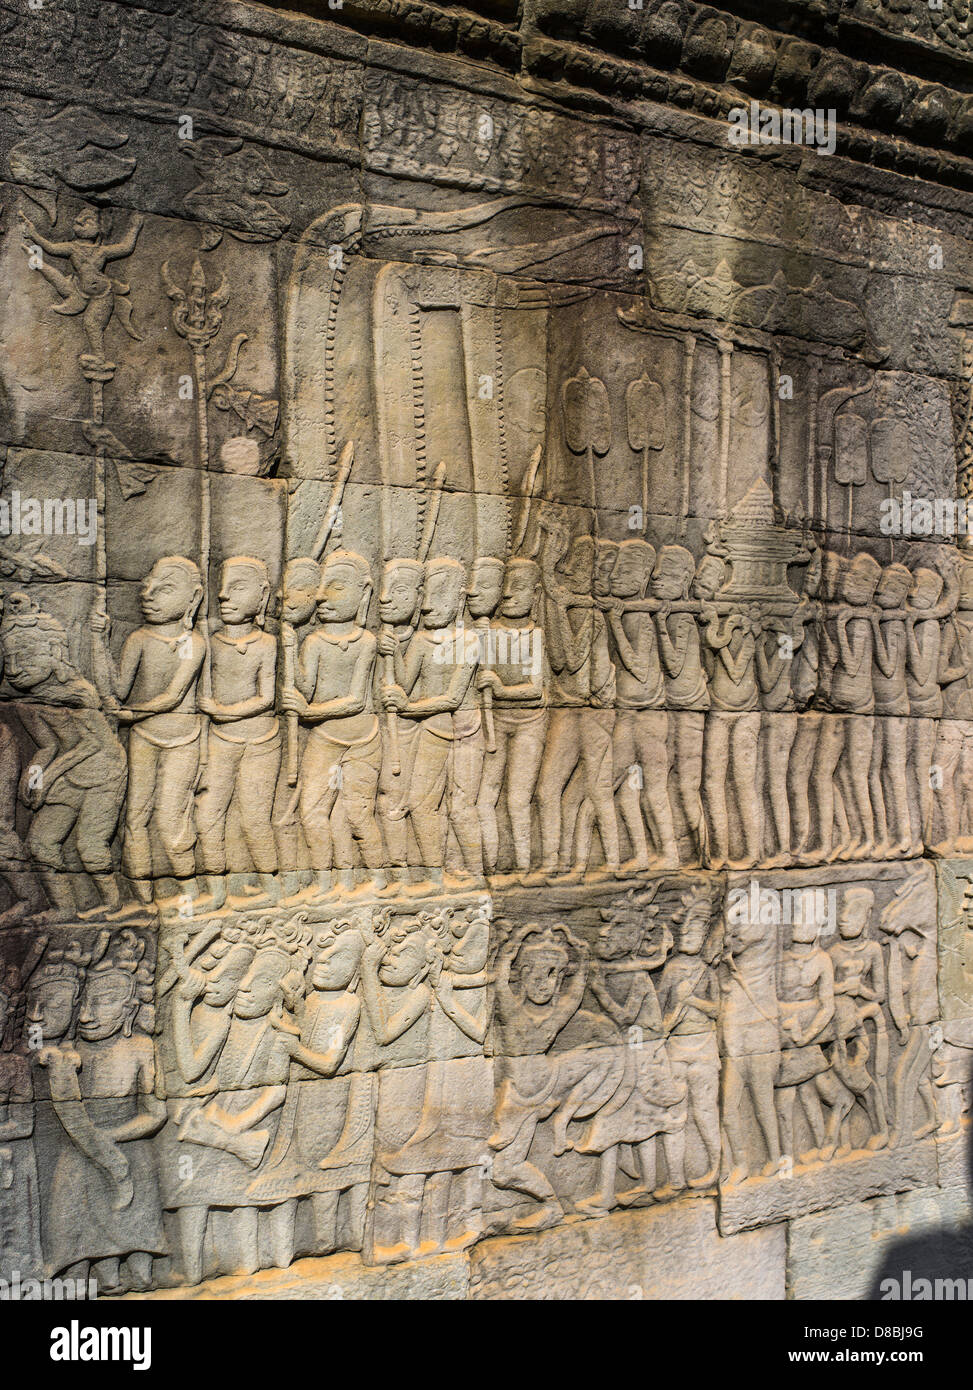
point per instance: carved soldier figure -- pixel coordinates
(859, 993)
(807, 1007)
(103, 1206)
(323, 1147)
(19, 1193)
(230, 1135)
(913, 1003)
(689, 997)
(687, 692)
(439, 1167)
(750, 1041)
(398, 607)
(342, 758)
(516, 680)
(244, 736)
(81, 781)
(924, 669)
(641, 725)
(535, 1081)
(954, 746)
(732, 732)
(298, 599)
(434, 685)
(852, 694)
(157, 676)
(888, 779)
(582, 699)
(648, 1101)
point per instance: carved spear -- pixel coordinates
(197, 316)
(587, 425)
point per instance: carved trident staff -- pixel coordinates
(197, 316)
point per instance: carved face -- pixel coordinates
(966, 586)
(340, 595)
(671, 578)
(619, 937)
(693, 931)
(861, 581)
(401, 591)
(168, 593)
(606, 556)
(519, 591)
(222, 985)
(260, 989)
(805, 929)
(86, 225)
(853, 917)
(926, 588)
(107, 1005)
(630, 576)
(541, 973)
(337, 960)
(299, 593)
(441, 597)
(51, 1006)
(486, 586)
(405, 959)
(709, 577)
(242, 593)
(29, 659)
(893, 587)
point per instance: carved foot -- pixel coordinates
(878, 1141)
(707, 1180)
(598, 1204)
(636, 1197)
(547, 1215)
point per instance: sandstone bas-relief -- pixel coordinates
(489, 769)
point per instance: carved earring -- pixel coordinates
(363, 606)
(262, 614)
(189, 617)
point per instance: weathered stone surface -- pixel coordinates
(486, 641)
(642, 1256)
(843, 1253)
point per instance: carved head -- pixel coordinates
(694, 922)
(401, 593)
(521, 585)
(812, 574)
(674, 572)
(411, 952)
(578, 566)
(966, 585)
(346, 588)
(543, 962)
(36, 651)
(620, 936)
(633, 567)
(927, 586)
(244, 590)
(832, 565)
(443, 592)
(87, 225)
(861, 579)
(54, 991)
(172, 591)
(710, 575)
(337, 956)
(805, 928)
(116, 984)
(223, 981)
(856, 909)
(486, 586)
(299, 590)
(606, 555)
(893, 586)
(271, 980)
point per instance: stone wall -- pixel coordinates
(485, 804)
